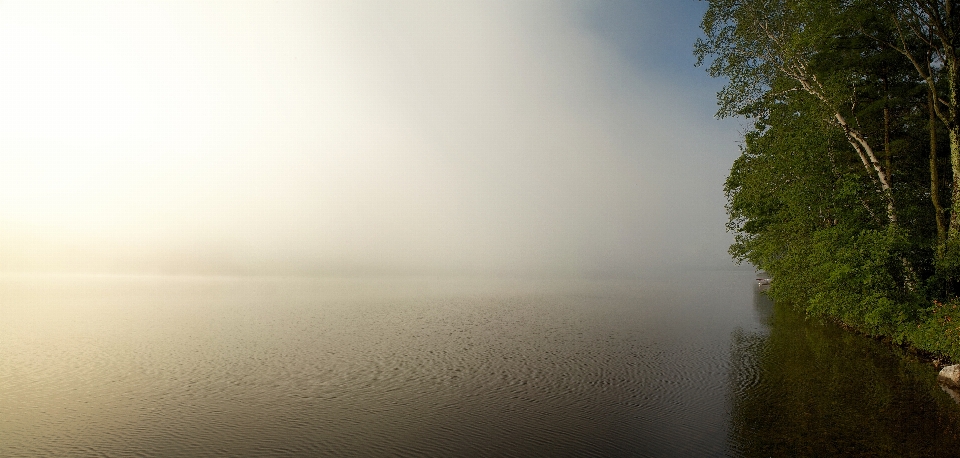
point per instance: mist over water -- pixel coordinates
(368, 228)
(352, 138)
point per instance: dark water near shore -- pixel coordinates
(700, 365)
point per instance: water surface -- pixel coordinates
(696, 365)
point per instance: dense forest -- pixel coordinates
(847, 189)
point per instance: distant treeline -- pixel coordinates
(847, 190)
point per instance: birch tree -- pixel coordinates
(843, 93)
(755, 42)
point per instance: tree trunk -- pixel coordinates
(953, 235)
(935, 177)
(888, 155)
(869, 159)
(954, 232)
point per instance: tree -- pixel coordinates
(927, 33)
(756, 42)
(838, 190)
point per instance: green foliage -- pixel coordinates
(858, 275)
(802, 203)
(937, 330)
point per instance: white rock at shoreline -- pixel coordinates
(950, 376)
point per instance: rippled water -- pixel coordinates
(182, 366)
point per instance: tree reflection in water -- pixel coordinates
(805, 388)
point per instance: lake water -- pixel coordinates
(695, 365)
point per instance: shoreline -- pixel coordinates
(939, 360)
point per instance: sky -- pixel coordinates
(350, 137)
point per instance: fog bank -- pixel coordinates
(349, 137)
